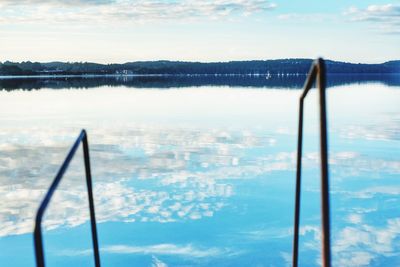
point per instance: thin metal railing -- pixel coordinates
(317, 73)
(38, 240)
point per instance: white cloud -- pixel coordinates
(26, 170)
(160, 249)
(387, 130)
(371, 192)
(181, 194)
(164, 249)
(360, 245)
(315, 231)
(385, 18)
(268, 233)
(157, 263)
(131, 10)
(314, 17)
(355, 218)
(359, 258)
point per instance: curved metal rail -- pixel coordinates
(317, 73)
(38, 240)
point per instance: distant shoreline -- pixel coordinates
(158, 68)
(177, 75)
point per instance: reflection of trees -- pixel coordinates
(177, 81)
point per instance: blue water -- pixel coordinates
(200, 176)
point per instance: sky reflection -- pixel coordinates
(201, 177)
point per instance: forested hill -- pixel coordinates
(262, 67)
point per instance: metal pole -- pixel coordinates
(90, 198)
(38, 243)
(298, 187)
(326, 253)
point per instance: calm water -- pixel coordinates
(199, 172)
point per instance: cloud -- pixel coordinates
(314, 17)
(359, 245)
(164, 249)
(268, 233)
(158, 263)
(386, 130)
(178, 192)
(354, 218)
(384, 18)
(126, 11)
(190, 180)
(188, 250)
(373, 191)
(6, 3)
(359, 258)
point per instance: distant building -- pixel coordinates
(123, 72)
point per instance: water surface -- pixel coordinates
(191, 172)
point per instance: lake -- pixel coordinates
(200, 170)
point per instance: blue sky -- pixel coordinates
(127, 30)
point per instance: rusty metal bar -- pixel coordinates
(317, 73)
(38, 240)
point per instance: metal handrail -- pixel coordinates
(317, 73)
(39, 253)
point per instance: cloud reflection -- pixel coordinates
(152, 176)
(360, 245)
(145, 174)
(187, 250)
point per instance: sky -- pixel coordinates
(117, 31)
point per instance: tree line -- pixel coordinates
(162, 67)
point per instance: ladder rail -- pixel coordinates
(317, 73)
(38, 239)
